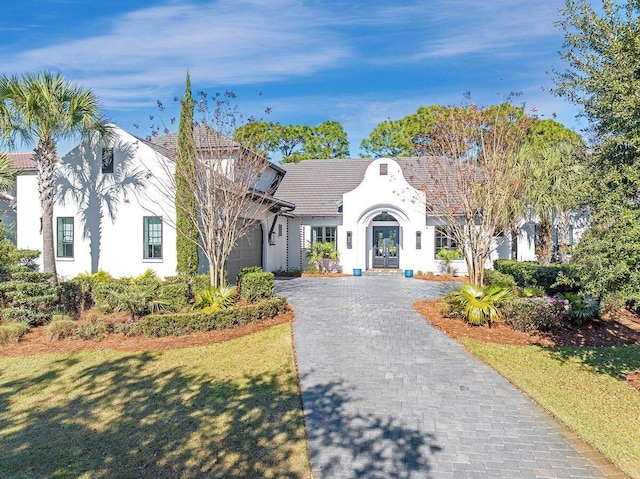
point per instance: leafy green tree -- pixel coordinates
(258, 136)
(404, 137)
(473, 161)
(294, 143)
(553, 182)
(45, 108)
(186, 209)
(601, 55)
(327, 140)
(601, 73)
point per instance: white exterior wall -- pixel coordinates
(100, 243)
(28, 235)
(375, 194)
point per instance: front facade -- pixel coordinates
(375, 212)
(115, 213)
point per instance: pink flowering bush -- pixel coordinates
(536, 313)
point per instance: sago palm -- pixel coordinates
(44, 108)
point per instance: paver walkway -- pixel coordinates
(387, 395)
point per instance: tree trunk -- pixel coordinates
(563, 231)
(545, 242)
(45, 156)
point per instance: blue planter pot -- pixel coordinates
(408, 273)
(357, 272)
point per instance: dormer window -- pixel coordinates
(107, 160)
(384, 169)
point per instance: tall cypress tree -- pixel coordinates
(186, 211)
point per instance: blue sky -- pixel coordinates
(356, 62)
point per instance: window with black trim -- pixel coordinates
(418, 239)
(444, 239)
(384, 169)
(323, 234)
(152, 237)
(107, 160)
(65, 237)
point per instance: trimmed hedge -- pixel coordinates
(496, 278)
(531, 274)
(257, 285)
(184, 323)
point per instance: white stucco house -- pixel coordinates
(113, 214)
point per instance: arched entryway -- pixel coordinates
(385, 241)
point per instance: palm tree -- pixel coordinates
(44, 108)
(7, 173)
(553, 184)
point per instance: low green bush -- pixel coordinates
(496, 278)
(96, 329)
(185, 323)
(536, 313)
(61, 329)
(174, 296)
(244, 271)
(583, 307)
(257, 285)
(12, 332)
(74, 297)
(529, 273)
(15, 314)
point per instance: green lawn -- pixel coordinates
(583, 387)
(225, 410)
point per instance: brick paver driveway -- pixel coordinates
(387, 395)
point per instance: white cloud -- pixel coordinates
(224, 42)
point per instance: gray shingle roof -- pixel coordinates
(205, 138)
(317, 186)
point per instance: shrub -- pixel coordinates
(96, 329)
(174, 296)
(447, 256)
(15, 314)
(318, 252)
(583, 307)
(137, 299)
(537, 313)
(61, 329)
(612, 304)
(287, 273)
(496, 278)
(475, 304)
(74, 296)
(258, 285)
(529, 273)
(244, 271)
(185, 323)
(12, 332)
(128, 328)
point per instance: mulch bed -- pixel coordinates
(624, 329)
(36, 342)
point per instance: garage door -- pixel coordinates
(248, 252)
